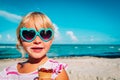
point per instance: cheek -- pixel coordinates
(25, 45)
(48, 45)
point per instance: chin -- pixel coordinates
(38, 56)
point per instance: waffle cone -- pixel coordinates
(45, 74)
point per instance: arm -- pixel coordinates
(62, 76)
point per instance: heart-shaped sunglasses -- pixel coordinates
(29, 34)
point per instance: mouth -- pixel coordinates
(37, 49)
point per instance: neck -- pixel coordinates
(41, 60)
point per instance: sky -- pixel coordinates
(75, 21)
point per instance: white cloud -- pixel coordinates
(10, 16)
(0, 36)
(72, 36)
(10, 38)
(57, 33)
(92, 38)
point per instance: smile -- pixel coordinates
(37, 49)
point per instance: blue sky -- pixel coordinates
(76, 21)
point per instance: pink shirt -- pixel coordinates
(11, 72)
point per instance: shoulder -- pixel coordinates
(62, 75)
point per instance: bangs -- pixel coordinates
(38, 20)
(42, 21)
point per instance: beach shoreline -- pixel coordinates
(82, 68)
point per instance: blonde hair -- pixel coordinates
(38, 19)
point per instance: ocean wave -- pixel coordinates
(7, 46)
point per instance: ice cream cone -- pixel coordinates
(45, 74)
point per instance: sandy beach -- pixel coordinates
(83, 68)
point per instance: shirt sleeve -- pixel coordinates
(3, 75)
(58, 69)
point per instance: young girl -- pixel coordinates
(35, 35)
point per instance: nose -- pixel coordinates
(37, 40)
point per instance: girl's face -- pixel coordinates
(36, 48)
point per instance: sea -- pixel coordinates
(66, 50)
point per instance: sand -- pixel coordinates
(83, 68)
